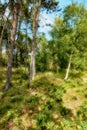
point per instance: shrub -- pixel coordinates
(15, 98)
(42, 119)
(6, 117)
(4, 108)
(49, 105)
(82, 112)
(33, 102)
(64, 111)
(57, 93)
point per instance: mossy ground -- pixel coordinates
(49, 104)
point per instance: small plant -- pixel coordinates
(64, 111)
(42, 119)
(82, 125)
(66, 124)
(24, 76)
(82, 112)
(5, 108)
(16, 120)
(33, 100)
(57, 93)
(50, 125)
(49, 105)
(15, 98)
(9, 115)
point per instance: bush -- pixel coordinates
(5, 108)
(64, 111)
(82, 125)
(15, 98)
(7, 117)
(42, 119)
(82, 112)
(24, 76)
(49, 105)
(57, 93)
(33, 100)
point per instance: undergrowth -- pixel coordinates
(41, 106)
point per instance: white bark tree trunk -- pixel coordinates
(68, 69)
(36, 12)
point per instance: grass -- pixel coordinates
(49, 104)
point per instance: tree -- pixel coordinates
(16, 9)
(21, 49)
(36, 9)
(69, 35)
(42, 55)
(75, 17)
(35, 16)
(29, 14)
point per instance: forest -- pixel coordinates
(43, 65)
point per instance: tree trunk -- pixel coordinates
(32, 63)
(68, 69)
(36, 11)
(11, 45)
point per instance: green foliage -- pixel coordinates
(51, 125)
(82, 112)
(64, 111)
(42, 119)
(47, 101)
(42, 57)
(49, 105)
(24, 76)
(69, 37)
(67, 124)
(5, 107)
(33, 100)
(82, 126)
(15, 98)
(16, 119)
(57, 93)
(7, 117)
(42, 104)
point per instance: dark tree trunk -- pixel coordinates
(11, 45)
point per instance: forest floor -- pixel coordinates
(50, 103)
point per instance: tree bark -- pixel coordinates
(11, 45)
(68, 68)
(36, 11)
